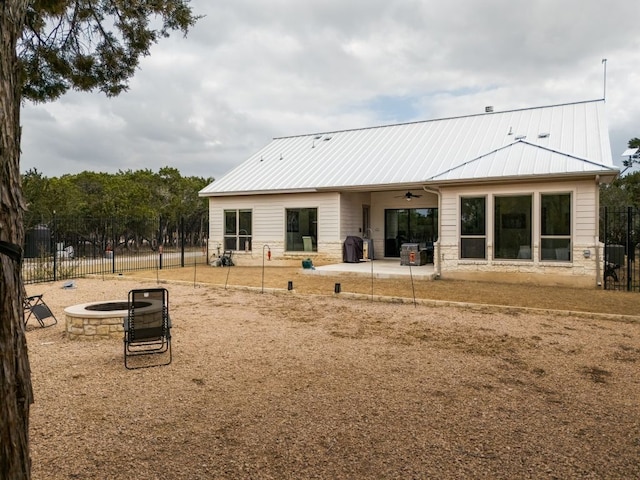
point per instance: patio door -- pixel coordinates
(409, 225)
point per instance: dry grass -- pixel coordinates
(281, 385)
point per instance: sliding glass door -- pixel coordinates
(409, 225)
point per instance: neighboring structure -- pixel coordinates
(511, 194)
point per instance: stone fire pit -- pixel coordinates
(97, 320)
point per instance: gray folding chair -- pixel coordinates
(34, 306)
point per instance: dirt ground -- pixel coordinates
(309, 384)
(554, 297)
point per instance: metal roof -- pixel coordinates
(553, 140)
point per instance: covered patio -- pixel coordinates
(388, 268)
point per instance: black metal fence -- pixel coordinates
(66, 248)
(620, 231)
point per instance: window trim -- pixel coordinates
(240, 240)
(287, 231)
(500, 221)
(484, 236)
(569, 237)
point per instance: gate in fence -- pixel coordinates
(66, 248)
(620, 231)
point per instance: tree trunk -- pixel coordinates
(16, 395)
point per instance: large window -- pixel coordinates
(473, 227)
(237, 229)
(409, 225)
(512, 227)
(302, 229)
(555, 227)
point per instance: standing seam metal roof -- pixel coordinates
(561, 139)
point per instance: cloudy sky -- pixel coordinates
(251, 70)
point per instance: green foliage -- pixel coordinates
(130, 194)
(624, 191)
(92, 44)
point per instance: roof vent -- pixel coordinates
(543, 135)
(488, 109)
(326, 139)
(520, 137)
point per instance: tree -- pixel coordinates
(46, 48)
(624, 191)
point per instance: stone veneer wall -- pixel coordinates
(579, 272)
(109, 325)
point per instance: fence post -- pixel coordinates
(113, 245)
(630, 248)
(160, 243)
(182, 242)
(55, 247)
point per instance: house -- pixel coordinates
(504, 195)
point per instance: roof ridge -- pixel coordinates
(415, 122)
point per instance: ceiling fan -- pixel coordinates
(408, 196)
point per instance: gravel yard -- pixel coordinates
(281, 385)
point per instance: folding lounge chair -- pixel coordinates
(147, 326)
(226, 260)
(35, 306)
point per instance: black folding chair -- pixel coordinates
(35, 306)
(147, 326)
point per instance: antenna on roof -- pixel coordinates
(604, 88)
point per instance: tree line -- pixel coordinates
(126, 211)
(624, 191)
(139, 194)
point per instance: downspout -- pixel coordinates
(596, 235)
(436, 253)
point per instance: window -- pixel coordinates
(409, 225)
(555, 227)
(473, 227)
(512, 227)
(237, 229)
(302, 229)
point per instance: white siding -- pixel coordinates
(269, 219)
(351, 213)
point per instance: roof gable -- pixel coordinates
(520, 159)
(560, 139)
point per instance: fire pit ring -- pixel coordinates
(101, 320)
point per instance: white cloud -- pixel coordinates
(252, 70)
